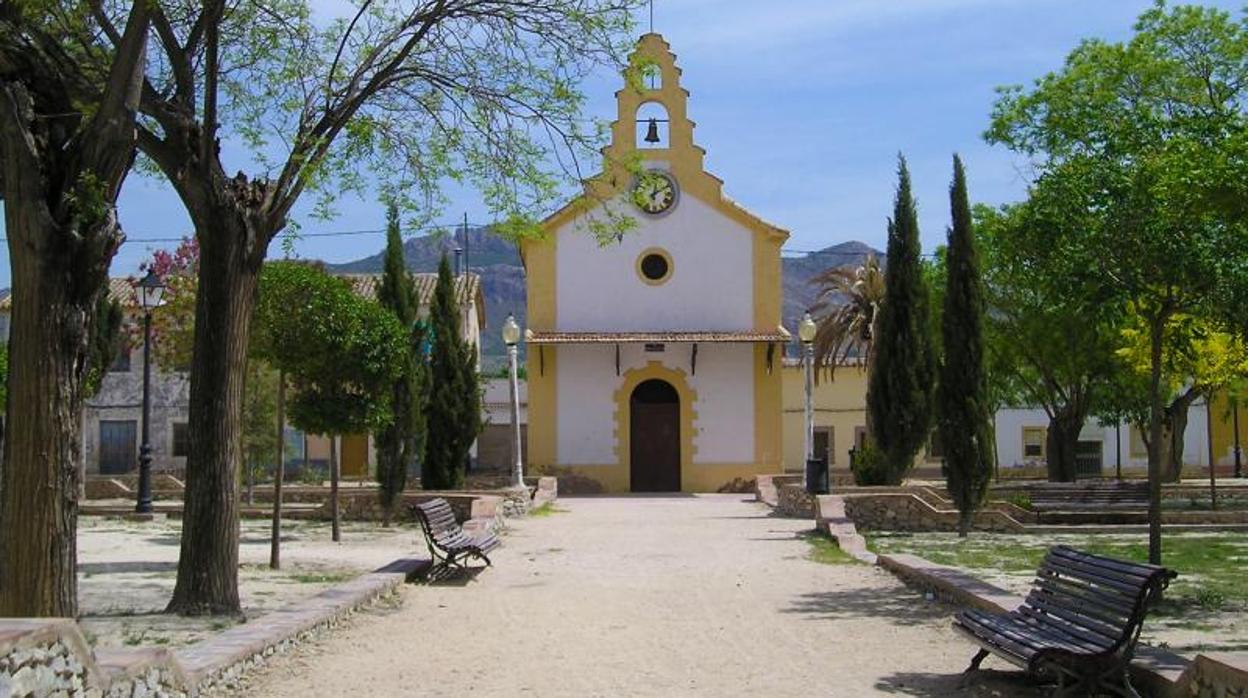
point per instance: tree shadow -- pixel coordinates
(986, 682)
(899, 606)
(127, 567)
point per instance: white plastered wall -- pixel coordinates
(710, 288)
(586, 385)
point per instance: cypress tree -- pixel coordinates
(398, 441)
(453, 409)
(964, 418)
(899, 391)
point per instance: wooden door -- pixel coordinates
(654, 438)
(355, 456)
(117, 446)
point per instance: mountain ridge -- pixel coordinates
(497, 261)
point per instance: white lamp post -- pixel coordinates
(150, 289)
(511, 336)
(806, 332)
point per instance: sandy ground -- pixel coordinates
(126, 572)
(655, 596)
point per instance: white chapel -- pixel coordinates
(654, 361)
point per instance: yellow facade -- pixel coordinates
(1224, 422)
(840, 409)
(685, 162)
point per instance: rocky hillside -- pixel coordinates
(502, 276)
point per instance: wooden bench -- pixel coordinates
(448, 543)
(1079, 624)
(1090, 496)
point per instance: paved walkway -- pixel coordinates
(653, 596)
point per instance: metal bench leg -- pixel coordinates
(1127, 688)
(976, 660)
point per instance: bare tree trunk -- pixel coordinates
(336, 533)
(228, 273)
(1213, 474)
(1155, 409)
(60, 172)
(1061, 442)
(1173, 427)
(275, 544)
(39, 504)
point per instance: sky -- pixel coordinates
(802, 107)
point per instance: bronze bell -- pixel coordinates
(652, 131)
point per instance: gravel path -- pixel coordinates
(646, 596)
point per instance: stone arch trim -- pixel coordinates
(688, 415)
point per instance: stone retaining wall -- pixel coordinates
(794, 502)
(45, 657)
(906, 511)
(765, 487)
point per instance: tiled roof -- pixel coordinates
(120, 289)
(467, 286)
(532, 337)
(467, 289)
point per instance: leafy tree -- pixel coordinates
(403, 94)
(453, 413)
(1197, 361)
(1144, 143)
(107, 342)
(259, 415)
(67, 139)
(399, 442)
(341, 352)
(1050, 341)
(900, 386)
(963, 391)
(846, 310)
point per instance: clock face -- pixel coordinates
(655, 192)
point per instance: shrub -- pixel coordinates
(870, 467)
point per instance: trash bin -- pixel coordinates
(817, 476)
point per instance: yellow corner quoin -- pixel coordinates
(683, 160)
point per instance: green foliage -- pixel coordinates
(453, 412)
(341, 352)
(107, 342)
(900, 387)
(964, 416)
(398, 443)
(1139, 149)
(846, 312)
(870, 467)
(259, 416)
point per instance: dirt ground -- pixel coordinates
(647, 596)
(126, 572)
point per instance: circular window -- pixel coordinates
(654, 266)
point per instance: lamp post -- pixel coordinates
(806, 332)
(150, 289)
(511, 336)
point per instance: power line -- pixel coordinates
(322, 234)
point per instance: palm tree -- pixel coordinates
(845, 311)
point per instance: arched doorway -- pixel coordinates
(654, 437)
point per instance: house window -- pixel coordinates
(181, 440)
(121, 364)
(860, 437)
(935, 449)
(654, 348)
(1033, 441)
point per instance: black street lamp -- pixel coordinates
(149, 291)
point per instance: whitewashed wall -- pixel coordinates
(1010, 423)
(585, 400)
(711, 286)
